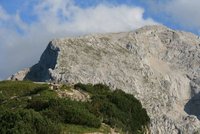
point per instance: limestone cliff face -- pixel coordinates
(48, 60)
(160, 66)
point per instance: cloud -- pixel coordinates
(21, 43)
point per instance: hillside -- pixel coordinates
(160, 66)
(38, 108)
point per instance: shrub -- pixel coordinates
(39, 110)
(116, 108)
(93, 89)
(26, 121)
(132, 109)
(37, 105)
(73, 112)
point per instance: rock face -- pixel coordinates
(40, 71)
(19, 75)
(160, 66)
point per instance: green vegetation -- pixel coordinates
(15, 118)
(26, 121)
(78, 129)
(27, 107)
(65, 87)
(116, 108)
(69, 112)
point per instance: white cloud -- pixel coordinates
(56, 19)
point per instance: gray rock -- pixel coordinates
(160, 66)
(19, 75)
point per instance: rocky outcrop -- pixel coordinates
(48, 60)
(19, 75)
(160, 66)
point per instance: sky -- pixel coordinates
(26, 26)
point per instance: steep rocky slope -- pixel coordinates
(157, 64)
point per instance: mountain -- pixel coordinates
(160, 66)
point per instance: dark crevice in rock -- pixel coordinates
(40, 71)
(192, 107)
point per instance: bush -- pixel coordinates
(26, 121)
(117, 108)
(99, 89)
(131, 108)
(72, 112)
(39, 110)
(37, 105)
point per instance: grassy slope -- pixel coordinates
(22, 99)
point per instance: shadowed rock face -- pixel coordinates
(158, 65)
(40, 71)
(192, 107)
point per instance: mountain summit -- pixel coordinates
(160, 66)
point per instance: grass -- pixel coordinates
(71, 128)
(16, 94)
(16, 88)
(66, 87)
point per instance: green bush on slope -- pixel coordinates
(37, 109)
(26, 121)
(117, 108)
(67, 111)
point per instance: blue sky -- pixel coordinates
(26, 26)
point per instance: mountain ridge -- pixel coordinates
(160, 66)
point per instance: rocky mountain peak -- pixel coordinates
(160, 66)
